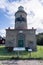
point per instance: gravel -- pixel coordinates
(21, 62)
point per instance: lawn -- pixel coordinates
(4, 54)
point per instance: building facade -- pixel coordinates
(21, 36)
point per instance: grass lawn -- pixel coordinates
(4, 54)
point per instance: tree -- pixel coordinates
(39, 39)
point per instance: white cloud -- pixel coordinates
(41, 2)
(39, 30)
(2, 32)
(32, 7)
(12, 24)
(2, 3)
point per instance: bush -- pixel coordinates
(10, 49)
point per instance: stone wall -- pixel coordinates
(30, 38)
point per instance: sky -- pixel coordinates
(33, 8)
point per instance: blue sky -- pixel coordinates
(34, 9)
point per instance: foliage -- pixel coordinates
(39, 39)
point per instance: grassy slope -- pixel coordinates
(4, 54)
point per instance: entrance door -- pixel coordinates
(20, 43)
(21, 40)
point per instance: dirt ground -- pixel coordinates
(21, 62)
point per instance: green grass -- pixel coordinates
(39, 53)
(4, 54)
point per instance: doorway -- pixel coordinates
(21, 40)
(20, 43)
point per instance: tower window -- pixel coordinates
(20, 19)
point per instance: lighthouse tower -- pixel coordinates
(21, 36)
(20, 19)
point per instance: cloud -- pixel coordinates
(31, 13)
(2, 32)
(2, 3)
(14, 0)
(41, 2)
(39, 30)
(32, 7)
(12, 23)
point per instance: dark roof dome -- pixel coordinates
(20, 8)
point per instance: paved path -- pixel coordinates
(21, 62)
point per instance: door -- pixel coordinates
(20, 43)
(21, 40)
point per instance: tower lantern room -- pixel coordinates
(20, 19)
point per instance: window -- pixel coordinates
(20, 19)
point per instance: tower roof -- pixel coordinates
(21, 9)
